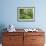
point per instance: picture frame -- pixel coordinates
(26, 14)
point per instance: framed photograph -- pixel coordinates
(26, 14)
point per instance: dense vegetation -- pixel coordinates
(26, 13)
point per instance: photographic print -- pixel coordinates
(26, 14)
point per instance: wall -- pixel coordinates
(9, 13)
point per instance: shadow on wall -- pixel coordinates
(2, 26)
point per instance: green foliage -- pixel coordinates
(26, 13)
